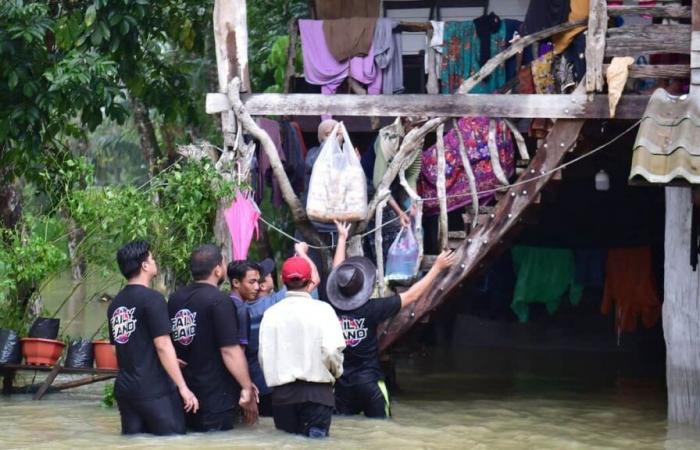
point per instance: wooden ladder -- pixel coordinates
(487, 239)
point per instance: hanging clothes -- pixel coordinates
(462, 57)
(512, 27)
(294, 166)
(475, 131)
(264, 168)
(590, 267)
(485, 26)
(385, 148)
(242, 221)
(630, 289)
(578, 10)
(544, 275)
(543, 14)
(349, 37)
(338, 9)
(437, 44)
(321, 68)
(542, 74)
(388, 50)
(300, 133)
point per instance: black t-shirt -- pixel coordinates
(203, 320)
(361, 354)
(136, 316)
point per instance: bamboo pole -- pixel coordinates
(441, 187)
(470, 174)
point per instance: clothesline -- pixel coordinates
(487, 191)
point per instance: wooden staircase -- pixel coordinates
(488, 238)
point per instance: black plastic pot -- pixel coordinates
(80, 355)
(10, 347)
(45, 328)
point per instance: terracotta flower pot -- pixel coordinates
(105, 355)
(42, 352)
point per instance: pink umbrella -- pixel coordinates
(242, 220)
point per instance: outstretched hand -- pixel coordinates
(343, 229)
(445, 260)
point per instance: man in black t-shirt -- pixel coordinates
(139, 327)
(205, 331)
(362, 388)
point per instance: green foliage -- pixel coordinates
(28, 254)
(268, 21)
(183, 218)
(277, 62)
(108, 398)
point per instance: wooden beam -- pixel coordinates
(673, 11)
(635, 40)
(658, 71)
(231, 42)
(595, 45)
(492, 105)
(484, 239)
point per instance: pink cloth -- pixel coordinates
(242, 220)
(321, 68)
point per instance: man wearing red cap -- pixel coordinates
(301, 352)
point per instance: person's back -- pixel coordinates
(133, 318)
(197, 311)
(150, 389)
(206, 337)
(300, 352)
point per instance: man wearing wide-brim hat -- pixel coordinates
(361, 388)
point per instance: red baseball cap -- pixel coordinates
(296, 268)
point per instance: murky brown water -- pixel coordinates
(577, 402)
(437, 409)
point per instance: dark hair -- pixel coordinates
(203, 260)
(130, 257)
(297, 284)
(238, 269)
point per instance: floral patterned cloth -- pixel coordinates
(475, 131)
(461, 58)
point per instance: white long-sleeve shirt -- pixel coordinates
(301, 339)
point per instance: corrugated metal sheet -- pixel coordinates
(668, 142)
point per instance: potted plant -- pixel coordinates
(41, 347)
(105, 351)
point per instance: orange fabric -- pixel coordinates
(579, 10)
(630, 288)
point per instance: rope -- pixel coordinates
(487, 191)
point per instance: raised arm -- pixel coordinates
(445, 260)
(302, 250)
(343, 231)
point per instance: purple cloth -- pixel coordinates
(321, 68)
(475, 131)
(273, 129)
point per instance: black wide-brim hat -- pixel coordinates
(351, 284)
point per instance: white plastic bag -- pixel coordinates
(337, 188)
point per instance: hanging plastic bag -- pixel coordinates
(402, 258)
(337, 188)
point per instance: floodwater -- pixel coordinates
(436, 408)
(487, 399)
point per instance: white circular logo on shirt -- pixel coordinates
(123, 324)
(184, 325)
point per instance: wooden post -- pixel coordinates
(595, 45)
(470, 174)
(443, 231)
(231, 48)
(379, 241)
(432, 85)
(681, 309)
